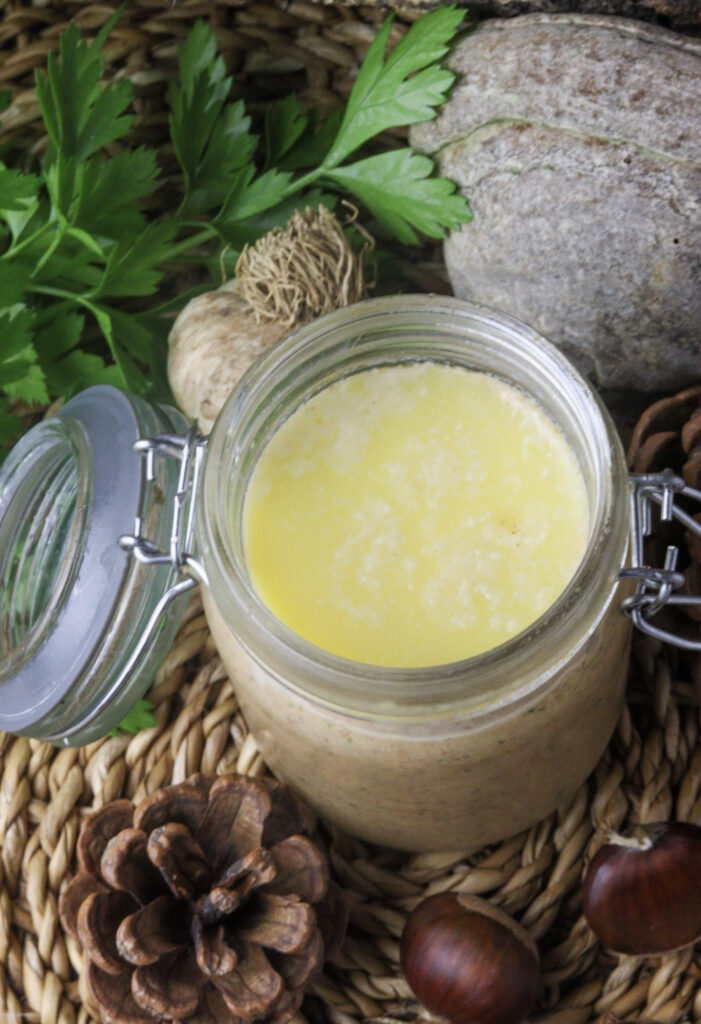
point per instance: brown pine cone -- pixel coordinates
(207, 903)
(668, 436)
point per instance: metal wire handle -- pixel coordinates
(656, 586)
(190, 451)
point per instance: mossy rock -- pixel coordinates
(576, 140)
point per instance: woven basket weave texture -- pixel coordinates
(271, 49)
(651, 771)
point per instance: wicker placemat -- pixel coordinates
(272, 49)
(651, 771)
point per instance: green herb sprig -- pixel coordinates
(78, 254)
(140, 717)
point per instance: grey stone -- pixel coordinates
(576, 139)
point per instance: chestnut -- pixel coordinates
(469, 961)
(642, 894)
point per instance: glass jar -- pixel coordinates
(458, 755)
(453, 756)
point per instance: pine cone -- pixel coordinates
(207, 903)
(668, 436)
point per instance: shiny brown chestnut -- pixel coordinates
(642, 894)
(469, 961)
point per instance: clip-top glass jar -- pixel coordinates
(446, 757)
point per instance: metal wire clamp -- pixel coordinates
(189, 450)
(656, 587)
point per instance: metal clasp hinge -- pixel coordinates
(656, 586)
(190, 451)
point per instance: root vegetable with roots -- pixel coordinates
(290, 276)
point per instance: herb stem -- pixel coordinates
(61, 293)
(15, 249)
(180, 248)
(303, 182)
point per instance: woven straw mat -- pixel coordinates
(271, 49)
(651, 771)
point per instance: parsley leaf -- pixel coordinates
(80, 370)
(397, 188)
(230, 147)
(20, 377)
(109, 192)
(211, 139)
(285, 122)
(140, 717)
(81, 115)
(314, 143)
(63, 334)
(67, 367)
(13, 278)
(31, 387)
(250, 195)
(398, 92)
(80, 253)
(196, 101)
(147, 347)
(17, 188)
(132, 266)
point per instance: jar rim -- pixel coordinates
(332, 345)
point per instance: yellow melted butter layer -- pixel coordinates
(414, 515)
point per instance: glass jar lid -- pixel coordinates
(68, 490)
